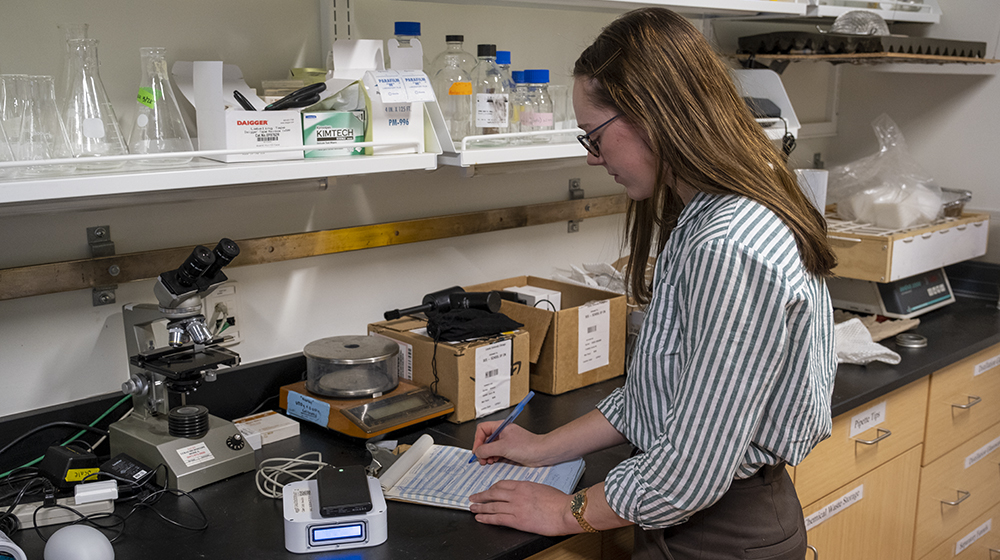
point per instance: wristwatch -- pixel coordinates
(578, 505)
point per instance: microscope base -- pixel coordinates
(191, 463)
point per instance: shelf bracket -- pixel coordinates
(101, 245)
(575, 193)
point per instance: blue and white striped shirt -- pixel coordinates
(734, 365)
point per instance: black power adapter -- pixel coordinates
(67, 466)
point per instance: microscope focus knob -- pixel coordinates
(135, 386)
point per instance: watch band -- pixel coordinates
(577, 506)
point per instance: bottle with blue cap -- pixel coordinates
(537, 112)
(503, 61)
(518, 99)
(404, 52)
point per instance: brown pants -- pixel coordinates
(758, 518)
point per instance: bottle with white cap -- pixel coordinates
(537, 112)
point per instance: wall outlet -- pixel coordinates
(222, 312)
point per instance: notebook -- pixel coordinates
(441, 475)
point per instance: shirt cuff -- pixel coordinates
(613, 408)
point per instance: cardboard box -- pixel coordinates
(266, 427)
(580, 345)
(480, 377)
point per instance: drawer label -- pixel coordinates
(966, 541)
(837, 506)
(989, 364)
(982, 452)
(867, 419)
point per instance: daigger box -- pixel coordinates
(580, 345)
(209, 86)
(480, 377)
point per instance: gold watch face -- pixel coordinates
(577, 502)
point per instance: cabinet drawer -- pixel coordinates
(842, 457)
(968, 475)
(878, 523)
(972, 542)
(964, 400)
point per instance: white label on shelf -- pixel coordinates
(493, 377)
(867, 419)
(195, 454)
(982, 452)
(966, 541)
(989, 364)
(308, 408)
(594, 336)
(837, 506)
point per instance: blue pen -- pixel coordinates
(510, 418)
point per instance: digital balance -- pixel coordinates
(900, 299)
(308, 531)
(352, 386)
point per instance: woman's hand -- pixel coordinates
(528, 506)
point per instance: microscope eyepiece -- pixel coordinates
(224, 252)
(195, 265)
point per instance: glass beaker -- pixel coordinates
(158, 126)
(42, 134)
(64, 85)
(11, 106)
(89, 117)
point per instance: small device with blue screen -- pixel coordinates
(308, 531)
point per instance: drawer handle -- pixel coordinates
(962, 496)
(816, 552)
(882, 434)
(973, 401)
(993, 551)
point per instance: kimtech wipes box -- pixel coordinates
(480, 376)
(579, 345)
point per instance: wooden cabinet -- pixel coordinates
(870, 517)
(964, 400)
(979, 540)
(957, 488)
(863, 439)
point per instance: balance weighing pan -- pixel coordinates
(351, 366)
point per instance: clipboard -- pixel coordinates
(441, 475)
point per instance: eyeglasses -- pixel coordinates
(591, 143)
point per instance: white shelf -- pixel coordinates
(201, 173)
(927, 12)
(564, 145)
(688, 7)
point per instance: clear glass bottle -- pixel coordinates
(406, 59)
(518, 98)
(42, 135)
(503, 61)
(492, 98)
(70, 31)
(89, 117)
(453, 88)
(158, 126)
(452, 49)
(537, 113)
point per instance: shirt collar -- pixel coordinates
(693, 208)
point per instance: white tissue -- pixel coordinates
(855, 346)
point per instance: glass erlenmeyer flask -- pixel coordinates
(158, 126)
(11, 106)
(6, 155)
(42, 134)
(70, 31)
(89, 117)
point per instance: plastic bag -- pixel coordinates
(887, 189)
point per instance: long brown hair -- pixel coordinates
(657, 70)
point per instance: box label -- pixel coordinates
(593, 349)
(839, 505)
(195, 454)
(867, 419)
(980, 532)
(307, 408)
(493, 377)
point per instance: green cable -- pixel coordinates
(74, 438)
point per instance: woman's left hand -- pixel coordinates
(528, 506)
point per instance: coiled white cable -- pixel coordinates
(273, 474)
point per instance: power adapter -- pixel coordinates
(66, 466)
(127, 470)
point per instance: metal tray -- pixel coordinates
(799, 42)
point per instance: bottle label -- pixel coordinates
(148, 96)
(491, 110)
(460, 88)
(536, 119)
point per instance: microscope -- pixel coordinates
(196, 447)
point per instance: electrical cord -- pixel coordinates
(271, 478)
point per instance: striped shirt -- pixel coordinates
(733, 368)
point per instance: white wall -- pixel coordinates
(59, 348)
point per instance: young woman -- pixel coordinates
(734, 366)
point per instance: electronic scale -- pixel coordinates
(366, 417)
(901, 299)
(307, 531)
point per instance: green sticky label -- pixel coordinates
(148, 96)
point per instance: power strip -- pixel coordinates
(55, 515)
